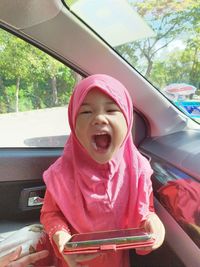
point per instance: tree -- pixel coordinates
(169, 20)
(13, 61)
(30, 78)
(192, 54)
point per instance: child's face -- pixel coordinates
(100, 126)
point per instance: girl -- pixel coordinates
(101, 182)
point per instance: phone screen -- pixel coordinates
(108, 237)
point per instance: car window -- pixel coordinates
(34, 92)
(160, 39)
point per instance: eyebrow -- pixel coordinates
(111, 102)
(85, 104)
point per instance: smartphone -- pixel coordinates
(122, 236)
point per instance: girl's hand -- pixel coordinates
(153, 225)
(75, 260)
(60, 238)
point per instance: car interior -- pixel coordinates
(166, 136)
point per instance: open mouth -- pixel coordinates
(101, 141)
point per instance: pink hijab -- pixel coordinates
(94, 196)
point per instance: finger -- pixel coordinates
(159, 238)
(29, 259)
(5, 260)
(158, 242)
(143, 251)
(149, 226)
(60, 245)
(60, 248)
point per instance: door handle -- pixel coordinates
(32, 197)
(35, 201)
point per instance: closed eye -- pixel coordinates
(85, 112)
(113, 110)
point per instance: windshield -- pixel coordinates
(160, 39)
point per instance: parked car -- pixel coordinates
(46, 47)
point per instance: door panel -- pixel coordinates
(21, 180)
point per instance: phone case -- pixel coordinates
(93, 248)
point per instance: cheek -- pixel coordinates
(122, 129)
(78, 129)
(122, 134)
(81, 131)
(79, 125)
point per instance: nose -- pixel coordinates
(99, 119)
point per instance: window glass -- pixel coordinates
(34, 93)
(158, 38)
(179, 194)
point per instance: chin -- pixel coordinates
(102, 160)
(101, 157)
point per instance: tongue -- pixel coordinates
(102, 141)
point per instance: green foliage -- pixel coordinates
(70, 2)
(172, 21)
(29, 78)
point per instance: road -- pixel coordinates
(46, 127)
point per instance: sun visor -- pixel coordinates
(24, 14)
